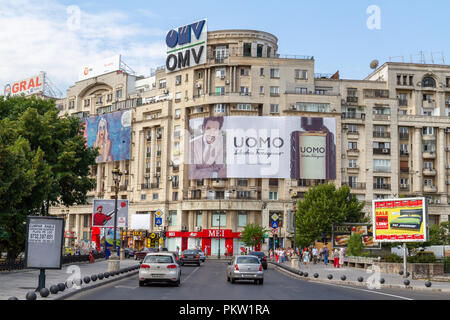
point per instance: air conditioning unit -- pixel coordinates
(437, 201)
(126, 172)
(198, 228)
(447, 130)
(227, 81)
(158, 135)
(293, 107)
(343, 101)
(149, 137)
(447, 182)
(222, 77)
(177, 116)
(447, 148)
(166, 91)
(184, 228)
(169, 178)
(198, 85)
(447, 166)
(385, 150)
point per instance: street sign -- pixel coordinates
(275, 217)
(275, 224)
(158, 221)
(275, 231)
(158, 213)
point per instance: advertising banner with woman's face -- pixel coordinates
(262, 147)
(111, 134)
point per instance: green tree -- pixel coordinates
(253, 234)
(322, 206)
(355, 245)
(44, 161)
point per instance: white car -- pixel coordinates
(159, 267)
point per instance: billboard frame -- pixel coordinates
(352, 224)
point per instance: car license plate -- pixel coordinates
(157, 275)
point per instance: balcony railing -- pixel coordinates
(381, 134)
(352, 99)
(146, 186)
(356, 185)
(309, 182)
(404, 135)
(381, 186)
(404, 187)
(353, 115)
(385, 151)
(404, 153)
(382, 117)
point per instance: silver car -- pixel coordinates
(245, 268)
(159, 267)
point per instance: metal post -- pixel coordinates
(115, 219)
(41, 283)
(220, 216)
(404, 260)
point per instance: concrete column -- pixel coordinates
(418, 161)
(204, 219)
(440, 166)
(191, 224)
(154, 150)
(141, 159)
(99, 178)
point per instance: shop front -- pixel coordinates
(210, 241)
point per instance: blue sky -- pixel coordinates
(334, 32)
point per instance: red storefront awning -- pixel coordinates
(207, 233)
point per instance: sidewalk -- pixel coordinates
(19, 283)
(352, 275)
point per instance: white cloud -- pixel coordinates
(38, 38)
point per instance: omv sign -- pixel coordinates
(186, 46)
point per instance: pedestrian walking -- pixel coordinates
(314, 254)
(306, 257)
(341, 257)
(326, 253)
(336, 258)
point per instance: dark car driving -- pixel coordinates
(261, 256)
(190, 257)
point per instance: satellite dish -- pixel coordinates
(374, 64)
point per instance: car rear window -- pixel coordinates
(259, 254)
(189, 252)
(158, 259)
(247, 260)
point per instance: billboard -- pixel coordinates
(103, 213)
(28, 86)
(342, 233)
(262, 147)
(400, 220)
(186, 46)
(99, 67)
(111, 133)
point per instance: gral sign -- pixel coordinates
(342, 233)
(103, 213)
(44, 241)
(111, 134)
(27, 87)
(98, 68)
(186, 46)
(400, 220)
(262, 147)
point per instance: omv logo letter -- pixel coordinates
(183, 35)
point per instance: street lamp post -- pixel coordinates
(220, 216)
(114, 260)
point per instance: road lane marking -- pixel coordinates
(370, 291)
(184, 280)
(125, 287)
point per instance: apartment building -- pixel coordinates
(392, 130)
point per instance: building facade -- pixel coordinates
(392, 133)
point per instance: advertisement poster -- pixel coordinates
(103, 213)
(400, 220)
(99, 67)
(111, 133)
(262, 147)
(342, 233)
(28, 86)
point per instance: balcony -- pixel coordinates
(381, 186)
(404, 187)
(404, 135)
(429, 189)
(219, 183)
(381, 134)
(353, 169)
(309, 183)
(429, 104)
(352, 100)
(429, 155)
(383, 151)
(404, 153)
(352, 152)
(381, 117)
(429, 172)
(353, 115)
(356, 185)
(147, 186)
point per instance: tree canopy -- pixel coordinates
(44, 161)
(253, 234)
(322, 206)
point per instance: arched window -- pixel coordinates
(429, 82)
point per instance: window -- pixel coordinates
(259, 50)
(312, 107)
(403, 181)
(200, 182)
(247, 49)
(242, 219)
(242, 182)
(273, 195)
(274, 91)
(429, 147)
(175, 196)
(352, 128)
(352, 163)
(221, 73)
(352, 146)
(428, 130)
(72, 104)
(299, 90)
(376, 93)
(244, 106)
(381, 165)
(178, 79)
(119, 94)
(86, 221)
(177, 113)
(220, 91)
(243, 194)
(261, 72)
(301, 74)
(175, 181)
(244, 91)
(199, 218)
(177, 96)
(261, 90)
(200, 75)
(220, 108)
(428, 182)
(352, 181)
(162, 83)
(219, 219)
(245, 71)
(87, 102)
(269, 52)
(274, 108)
(155, 196)
(109, 97)
(428, 82)
(403, 148)
(172, 218)
(186, 78)
(428, 165)
(143, 197)
(274, 73)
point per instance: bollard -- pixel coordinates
(343, 278)
(382, 280)
(316, 275)
(407, 274)
(100, 276)
(330, 276)
(61, 287)
(300, 273)
(106, 274)
(31, 296)
(13, 298)
(94, 277)
(44, 292)
(87, 280)
(401, 272)
(360, 279)
(406, 282)
(305, 274)
(54, 289)
(428, 284)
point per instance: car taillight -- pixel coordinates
(172, 266)
(182, 257)
(145, 266)
(236, 267)
(264, 258)
(260, 268)
(197, 256)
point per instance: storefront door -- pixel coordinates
(215, 247)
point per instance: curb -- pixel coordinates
(93, 286)
(355, 283)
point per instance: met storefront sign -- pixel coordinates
(186, 46)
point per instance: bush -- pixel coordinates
(422, 258)
(355, 245)
(393, 258)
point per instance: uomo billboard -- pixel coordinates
(262, 147)
(111, 134)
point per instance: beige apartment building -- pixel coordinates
(392, 138)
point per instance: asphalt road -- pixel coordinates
(208, 282)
